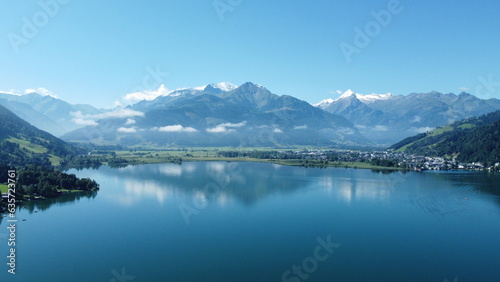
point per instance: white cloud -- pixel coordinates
(147, 95)
(381, 128)
(416, 119)
(277, 130)
(117, 104)
(42, 91)
(234, 124)
(219, 129)
(421, 129)
(83, 121)
(176, 128)
(126, 130)
(226, 127)
(463, 88)
(130, 121)
(11, 92)
(300, 127)
(121, 113)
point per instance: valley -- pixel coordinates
(249, 115)
(232, 140)
(305, 157)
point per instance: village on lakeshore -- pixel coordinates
(390, 158)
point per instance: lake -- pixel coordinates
(233, 221)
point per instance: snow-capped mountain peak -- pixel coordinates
(370, 98)
(324, 103)
(365, 99)
(327, 102)
(224, 86)
(347, 94)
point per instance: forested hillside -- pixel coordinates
(21, 143)
(32, 154)
(470, 140)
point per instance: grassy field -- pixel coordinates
(205, 154)
(466, 126)
(152, 157)
(34, 148)
(432, 133)
(440, 130)
(55, 160)
(402, 149)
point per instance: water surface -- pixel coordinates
(220, 221)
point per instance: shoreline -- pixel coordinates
(354, 165)
(27, 199)
(377, 160)
(179, 159)
(287, 162)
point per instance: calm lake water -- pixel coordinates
(220, 221)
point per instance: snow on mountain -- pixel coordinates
(324, 103)
(347, 94)
(370, 98)
(224, 86)
(199, 88)
(249, 115)
(365, 99)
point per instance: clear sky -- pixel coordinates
(96, 52)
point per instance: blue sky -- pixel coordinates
(96, 52)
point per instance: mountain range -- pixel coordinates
(387, 118)
(48, 113)
(249, 115)
(224, 114)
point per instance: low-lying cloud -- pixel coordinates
(175, 128)
(82, 119)
(381, 128)
(130, 121)
(226, 127)
(121, 113)
(421, 129)
(126, 130)
(416, 119)
(148, 95)
(300, 127)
